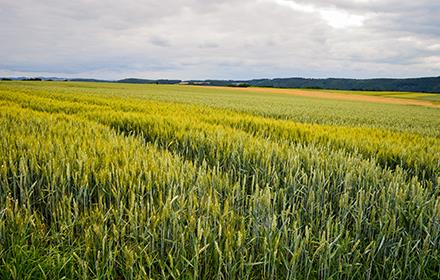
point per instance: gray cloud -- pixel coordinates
(220, 39)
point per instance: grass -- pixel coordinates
(105, 181)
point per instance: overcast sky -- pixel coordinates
(229, 39)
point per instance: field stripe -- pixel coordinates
(333, 95)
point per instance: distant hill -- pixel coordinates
(89, 80)
(145, 81)
(429, 84)
(415, 84)
(411, 85)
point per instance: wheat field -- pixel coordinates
(112, 181)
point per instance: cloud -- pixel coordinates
(334, 17)
(198, 39)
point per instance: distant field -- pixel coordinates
(434, 97)
(427, 99)
(122, 181)
(408, 118)
(371, 97)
